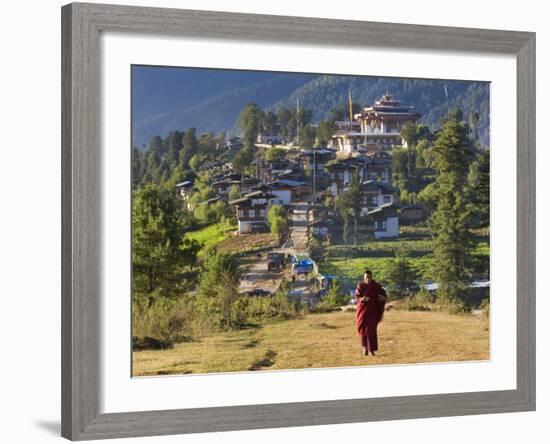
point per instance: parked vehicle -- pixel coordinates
(302, 264)
(275, 261)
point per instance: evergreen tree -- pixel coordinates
(190, 147)
(250, 122)
(284, 117)
(137, 167)
(159, 251)
(269, 122)
(400, 275)
(479, 187)
(325, 130)
(156, 144)
(348, 203)
(453, 154)
(307, 137)
(243, 159)
(174, 147)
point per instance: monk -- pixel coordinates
(370, 298)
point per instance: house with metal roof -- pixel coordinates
(384, 221)
(251, 211)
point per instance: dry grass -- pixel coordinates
(325, 340)
(246, 242)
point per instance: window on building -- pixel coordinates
(387, 198)
(375, 200)
(262, 212)
(380, 225)
(241, 213)
(251, 213)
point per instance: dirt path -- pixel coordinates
(256, 275)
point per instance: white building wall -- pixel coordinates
(244, 225)
(392, 229)
(284, 197)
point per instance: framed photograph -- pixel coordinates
(278, 221)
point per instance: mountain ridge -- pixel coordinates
(321, 93)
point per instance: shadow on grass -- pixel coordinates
(166, 372)
(251, 344)
(267, 361)
(323, 325)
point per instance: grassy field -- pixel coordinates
(212, 234)
(348, 263)
(325, 340)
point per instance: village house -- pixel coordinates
(383, 221)
(319, 157)
(378, 127)
(340, 175)
(378, 169)
(287, 190)
(376, 194)
(223, 185)
(251, 211)
(320, 229)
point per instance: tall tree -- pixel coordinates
(156, 145)
(453, 154)
(269, 122)
(325, 130)
(400, 275)
(250, 122)
(190, 147)
(278, 221)
(174, 147)
(307, 137)
(243, 158)
(284, 117)
(348, 203)
(479, 186)
(354, 197)
(159, 251)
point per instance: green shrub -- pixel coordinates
(164, 320)
(411, 303)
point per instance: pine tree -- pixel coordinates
(190, 147)
(174, 147)
(453, 154)
(250, 122)
(479, 187)
(400, 275)
(159, 251)
(156, 145)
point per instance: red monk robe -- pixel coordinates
(369, 313)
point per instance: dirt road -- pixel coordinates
(258, 277)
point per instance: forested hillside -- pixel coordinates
(209, 104)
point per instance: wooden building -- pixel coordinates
(384, 221)
(251, 211)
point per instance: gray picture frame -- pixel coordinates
(81, 232)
